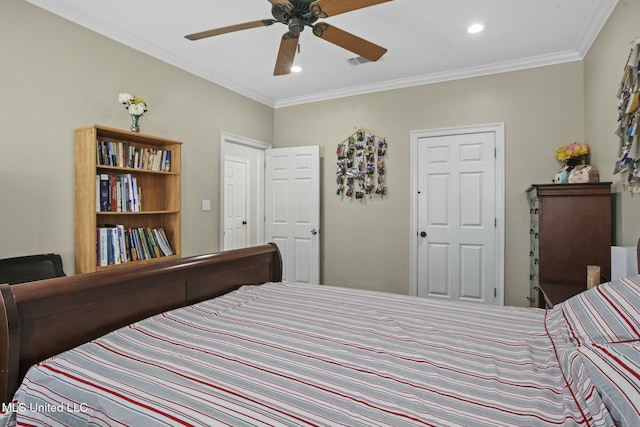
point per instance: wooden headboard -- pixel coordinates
(44, 318)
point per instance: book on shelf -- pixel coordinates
(124, 254)
(117, 244)
(114, 187)
(105, 201)
(126, 155)
(167, 161)
(164, 242)
(144, 244)
(118, 193)
(103, 258)
(112, 241)
(136, 243)
(153, 242)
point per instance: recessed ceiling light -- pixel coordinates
(475, 28)
(296, 69)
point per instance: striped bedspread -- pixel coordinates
(286, 355)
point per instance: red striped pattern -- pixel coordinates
(608, 313)
(285, 355)
(615, 372)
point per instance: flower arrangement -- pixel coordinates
(135, 106)
(573, 153)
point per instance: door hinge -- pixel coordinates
(495, 292)
(495, 222)
(495, 153)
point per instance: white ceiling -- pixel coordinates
(426, 41)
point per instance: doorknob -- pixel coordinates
(423, 234)
(314, 231)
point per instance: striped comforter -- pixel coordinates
(283, 355)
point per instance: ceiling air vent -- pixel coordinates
(357, 60)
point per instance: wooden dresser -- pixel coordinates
(570, 229)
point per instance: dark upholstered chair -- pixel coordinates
(30, 268)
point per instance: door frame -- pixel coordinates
(498, 130)
(226, 139)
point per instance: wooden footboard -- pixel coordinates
(44, 318)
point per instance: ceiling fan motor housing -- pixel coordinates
(295, 17)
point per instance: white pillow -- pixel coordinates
(614, 370)
(608, 313)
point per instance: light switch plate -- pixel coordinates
(206, 205)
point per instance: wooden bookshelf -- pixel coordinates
(159, 194)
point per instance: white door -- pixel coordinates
(292, 210)
(236, 181)
(250, 152)
(457, 238)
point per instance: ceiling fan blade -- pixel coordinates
(282, 3)
(286, 54)
(325, 8)
(346, 40)
(230, 29)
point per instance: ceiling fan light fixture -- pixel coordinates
(296, 69)
(475, 28)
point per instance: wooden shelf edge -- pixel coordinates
(138, 213)
(593, 188)
(134, 263)
(107, 131)
(133, 170)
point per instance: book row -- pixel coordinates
(127, 155)
(118, 193)
(118, 244)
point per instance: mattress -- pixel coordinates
(283, 354)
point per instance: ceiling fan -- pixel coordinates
(297, 14)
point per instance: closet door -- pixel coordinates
(292, 210)
(457, 244)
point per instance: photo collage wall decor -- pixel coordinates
(628, 163)
(360, 168)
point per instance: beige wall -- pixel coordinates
(56, 76)
(603, 70)
(367, 245)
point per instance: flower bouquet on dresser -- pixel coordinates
(576, 169)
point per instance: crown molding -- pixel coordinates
(502, 67)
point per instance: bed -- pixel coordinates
(221, 340)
